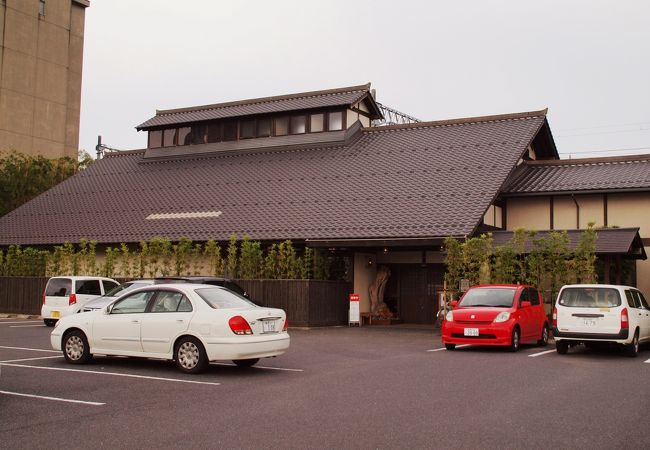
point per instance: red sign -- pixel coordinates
(354, 297)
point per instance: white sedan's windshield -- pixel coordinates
(124, 288)
(495, 297)
(220, 298)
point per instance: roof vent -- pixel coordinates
(184, 215)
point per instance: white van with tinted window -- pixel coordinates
(67, 295)
(593, 313)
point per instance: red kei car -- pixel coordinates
(500, 314)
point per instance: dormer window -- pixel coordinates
(298, 124)
(281, 126)
(230, 130)
(155, 139)
(264, 127)
(317, 123)
(328, 112)
(184, 135)
(335, 121)
(247, 129)
(169, 137)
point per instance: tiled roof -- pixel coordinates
(307, 100)
(424, 180)
(613, 241)
(575, 175)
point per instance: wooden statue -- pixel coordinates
(376, 291)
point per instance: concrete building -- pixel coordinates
(41, 58)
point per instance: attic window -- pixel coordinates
(298, 125)
(335, 121)
(184, 215)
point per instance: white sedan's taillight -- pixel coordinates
(286, 324)
(239, 325)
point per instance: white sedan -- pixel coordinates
(191, 324)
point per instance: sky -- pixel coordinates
(587, 61)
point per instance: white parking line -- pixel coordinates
(25, 326)
(648, 361)
(30, 359)
(542, 353)
(259, 367)
(30, 349)
(115, 374)
(22, 321)
(443, 348)
(67, 400)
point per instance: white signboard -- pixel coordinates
(354, 308)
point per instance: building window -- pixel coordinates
(247, 129)
(169, 137)
(230, 131)
(199, 133)
(214, 132)
(335, 121)
(298, 124)
(317, 123)
(155, 139)
(281, 126)
(264, 128)
(184, 135)
(41, 8)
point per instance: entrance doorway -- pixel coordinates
(412, 291)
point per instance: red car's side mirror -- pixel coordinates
(453, 303)
(526, 304)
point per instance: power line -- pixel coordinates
(603, 132)
(604, 126)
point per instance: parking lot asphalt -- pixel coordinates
(366, 388)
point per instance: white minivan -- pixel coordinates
(592, 313)
(67, 295)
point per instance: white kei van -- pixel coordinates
(592, 313)
(67, 295)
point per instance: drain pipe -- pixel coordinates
(577, 211)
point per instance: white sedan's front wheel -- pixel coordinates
(190, 355)
(75, 347)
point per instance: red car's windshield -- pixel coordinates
(494, 297)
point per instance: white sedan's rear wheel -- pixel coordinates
(190, 355)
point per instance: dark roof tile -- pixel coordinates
(428, 180)
(577, 175)
(307, 100)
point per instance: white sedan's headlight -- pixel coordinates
(502, 317)
(449, 317)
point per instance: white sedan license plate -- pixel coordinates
(268, 326)
(470, 331)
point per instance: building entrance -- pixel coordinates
(412, 291)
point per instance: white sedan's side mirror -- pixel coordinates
(108, 309)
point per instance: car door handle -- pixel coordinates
(135, 321)
(180, 320)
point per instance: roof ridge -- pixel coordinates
(589, 161)
(124, 153)
(253, 101)
(462, 121)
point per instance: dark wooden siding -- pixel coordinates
(21, 295)
(306, 302)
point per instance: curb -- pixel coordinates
(19, 316)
